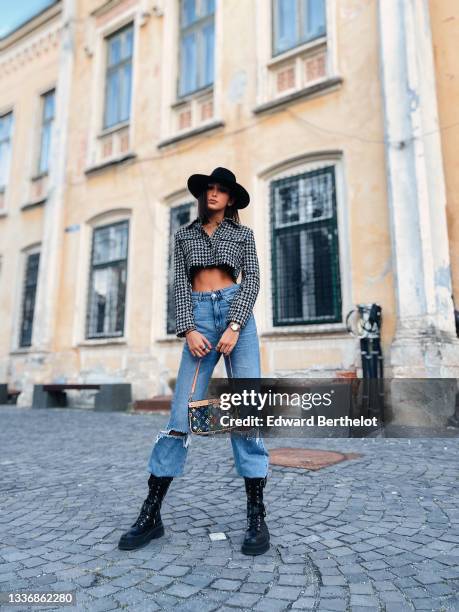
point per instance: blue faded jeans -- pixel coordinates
(169, 452)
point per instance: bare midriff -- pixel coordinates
(211, 279)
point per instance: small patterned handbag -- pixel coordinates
(204, 415)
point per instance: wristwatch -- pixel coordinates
(235, 326)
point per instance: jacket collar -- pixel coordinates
(226, 220)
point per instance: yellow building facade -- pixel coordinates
(339, 119)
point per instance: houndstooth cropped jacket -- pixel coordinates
(231, 244)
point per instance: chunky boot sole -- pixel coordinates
(255, 549)
(139, 542)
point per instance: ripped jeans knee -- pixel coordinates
(173, 433)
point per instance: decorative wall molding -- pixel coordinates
(30, 49)
(111, 9)
(28, 28)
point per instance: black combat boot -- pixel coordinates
(256, 541)
(148, 524)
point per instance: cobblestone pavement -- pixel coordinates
(377, 533)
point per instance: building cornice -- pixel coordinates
(31, 25)
(29, 48)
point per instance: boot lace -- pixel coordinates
(255, 517)
(148, 507)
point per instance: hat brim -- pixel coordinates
(197, 183)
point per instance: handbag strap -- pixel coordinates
(196, 376)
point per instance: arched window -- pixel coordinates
(107, 281)
(306, 286)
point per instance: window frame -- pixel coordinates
(44, 123)
(197, 25)
(301, 41)
(169, 128)
(119, 66)
(262, 228)
(23, 296)
(9, 140)
(332, 224)
(103, 23)
(267, 96)
(88, 336)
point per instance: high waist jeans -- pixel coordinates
(170, 451)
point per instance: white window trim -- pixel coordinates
(38, 113)
(83, 273)
(170, 66)
(42, 95)
(34, 149)
(19, 292)
(265, 60)
(161, 253)
(264, 305)
(7, 192)
(134, 15)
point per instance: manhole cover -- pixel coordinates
(308, 458)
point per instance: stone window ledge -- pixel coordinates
(198, 93)
(102, 342)
(169, 339)
(190, 133)
(114, 161)
(338, 329)
(310, 91)
(298, 50)
(38, 177)
(29, 205)
(114, 128)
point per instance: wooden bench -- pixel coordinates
(8, 396)
(158, 403)
(13, 395)
(111, 396)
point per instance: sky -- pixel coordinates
(15, 12)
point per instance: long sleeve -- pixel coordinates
(244, 301)
(184, 318)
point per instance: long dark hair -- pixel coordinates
(230, 211)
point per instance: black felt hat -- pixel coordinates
(197, 183)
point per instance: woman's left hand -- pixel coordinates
(228, 341)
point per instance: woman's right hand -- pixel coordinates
(197, 343)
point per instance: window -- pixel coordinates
(196, 45)
(296, 22)
(46, 131)
(118, 78)
(6, 127)
(28, 298)
(305, 258)
(107, 284)
(179, 215)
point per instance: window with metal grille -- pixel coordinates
(28, 298)
(305, 257)
(118, 78)
(6, 128)
(46, 131)
(296, 22)
(179, 215)
(107, 283)
(196, 45)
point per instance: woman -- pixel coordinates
(214, 314)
